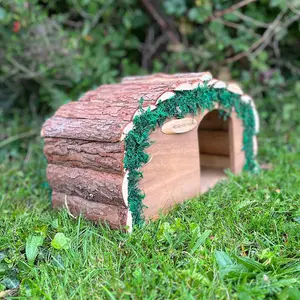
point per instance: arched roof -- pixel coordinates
(108, 110)
(124, 114)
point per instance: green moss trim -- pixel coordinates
(178, 106)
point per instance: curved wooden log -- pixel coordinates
(85, 151)
(162, 77)
(97, 110)
(132, 90)
(105, 157)
(87, 184)
(100, 115)
(83, 129)
(114, 216)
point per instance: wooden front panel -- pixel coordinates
(174, 173)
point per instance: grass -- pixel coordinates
(239, 241)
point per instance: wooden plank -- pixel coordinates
(215, 161)
(98, 110)
(106, 157)
(213, 121)
(237, 155)
(210, 177)
(88, 184)
(82, 137)
(162, 76)
(83, 129)
(174, 172)
(114, 216)
(176, 162)
(213, 142)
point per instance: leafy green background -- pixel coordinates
(239, 241)
(64, 48)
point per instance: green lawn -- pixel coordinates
(239, 241)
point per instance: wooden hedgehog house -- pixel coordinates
(124, 152)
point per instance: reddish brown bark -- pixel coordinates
(132, 89)
(104, 110)
(84, 129)
(106, 157)
(129, 93)
(114, 216)
(87, 184)
(101, 115)
(83, 148)
(161, 77)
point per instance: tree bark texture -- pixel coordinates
(114, 216)
(88, 184)
(98, 156)
(83, 147)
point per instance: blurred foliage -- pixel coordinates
(53, 51)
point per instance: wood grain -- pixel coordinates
(85, 153)
(237, 155)
(173, 174)
(87, 184)
(213, 121)
(114, 216)
(84, 129)
(215, 161)
(177, 162)
(210, 177)
(213, 142)
(98, 156)
(179, 126)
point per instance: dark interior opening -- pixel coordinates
(214, 148)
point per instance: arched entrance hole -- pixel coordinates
(214, 148)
